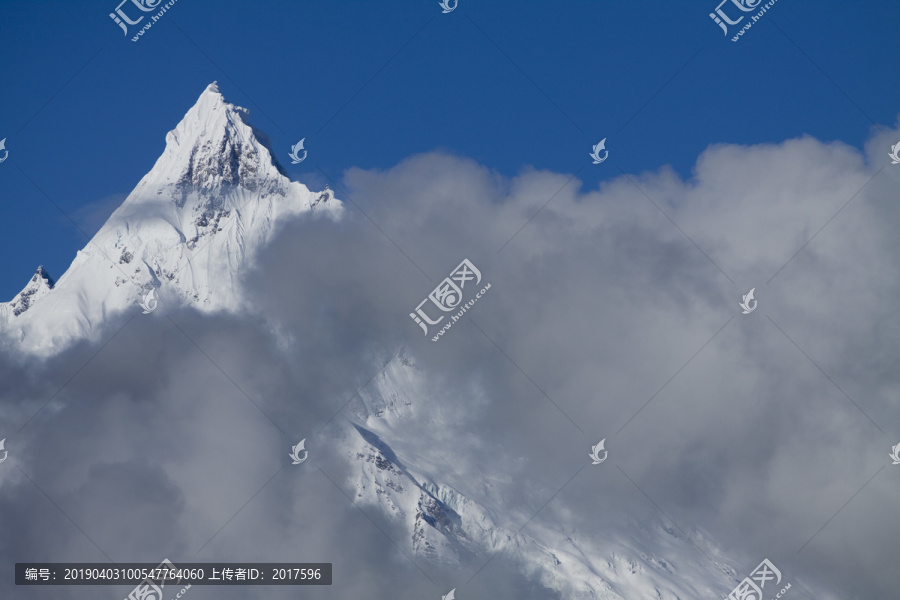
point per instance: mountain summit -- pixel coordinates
(40, 285)
(188, 229)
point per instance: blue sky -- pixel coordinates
(512, 85)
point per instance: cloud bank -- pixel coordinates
(613, 313)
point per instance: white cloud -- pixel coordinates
(599, 300)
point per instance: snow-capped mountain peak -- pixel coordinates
(40, 285)
(189, 228)
(211, 150)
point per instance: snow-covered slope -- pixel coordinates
(394, 472)
(188, 229)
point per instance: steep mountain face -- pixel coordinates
(394, 468)
(188, 229)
